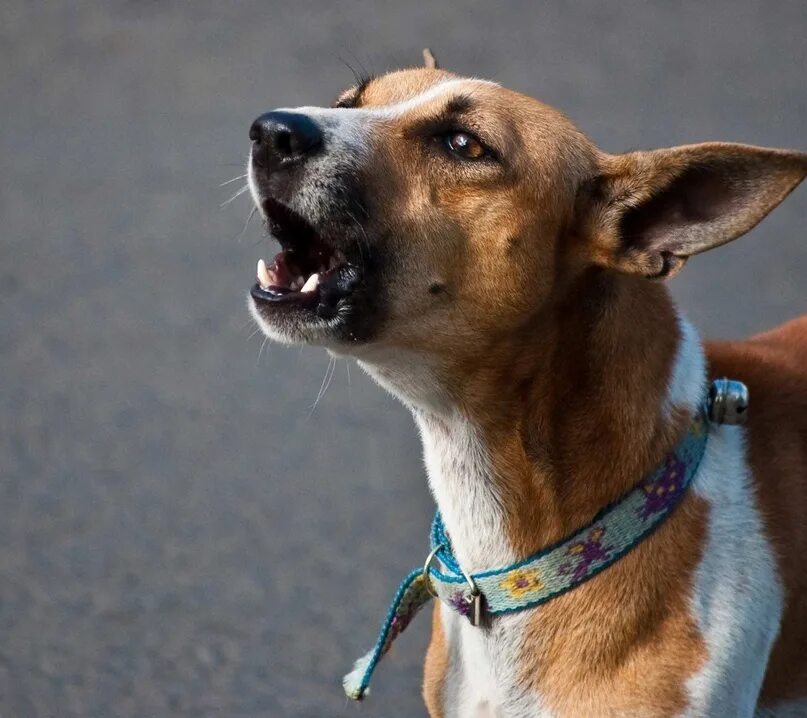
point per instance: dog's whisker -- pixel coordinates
(350, 67)
(260, 351)
(364, 72)
(359, 77)
(358, 239)
(323, 387)
(330, 376)
(235, 196)
(241, 234)
(364, 209)
(234, 179)
(349, 385)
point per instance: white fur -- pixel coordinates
(460, 478)
(484, 678)
(687, 383)
(407, 375)
(253, 185)
(444, 88)
(737, 599)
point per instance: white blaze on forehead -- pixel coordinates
(346, 129)
(444, 88)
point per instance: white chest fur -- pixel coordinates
(483, 679)
(460, 479)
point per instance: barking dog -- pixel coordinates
(501, 276)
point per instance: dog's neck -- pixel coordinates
(528, 440)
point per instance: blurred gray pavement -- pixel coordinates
(180, 534)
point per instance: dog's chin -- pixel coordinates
(298, 325)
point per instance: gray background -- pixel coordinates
(179, 533)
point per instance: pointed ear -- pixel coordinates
(429, 60)
(648, 212)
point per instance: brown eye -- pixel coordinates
(465, 145)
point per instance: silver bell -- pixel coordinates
(728, 402)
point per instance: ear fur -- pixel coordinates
(648, 212)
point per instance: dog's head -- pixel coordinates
(430, 212)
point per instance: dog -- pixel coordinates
(483, 261)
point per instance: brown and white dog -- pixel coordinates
(499, 274)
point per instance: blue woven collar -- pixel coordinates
(546, 574)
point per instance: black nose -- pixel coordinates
(282, 137)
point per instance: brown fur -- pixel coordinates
(523, 286)
(435, 668)
(565, 375)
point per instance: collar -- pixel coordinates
(551, 572)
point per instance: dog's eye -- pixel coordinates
(465, 145)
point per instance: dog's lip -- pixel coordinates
(273, 295)
(324, 297)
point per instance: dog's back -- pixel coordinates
(774, 367)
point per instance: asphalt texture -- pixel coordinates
(181, 534)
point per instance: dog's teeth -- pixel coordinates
(311, 283)
(263, 274)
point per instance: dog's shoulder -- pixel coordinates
(773, 365)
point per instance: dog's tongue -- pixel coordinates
(283, 276)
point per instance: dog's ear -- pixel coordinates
(429, 60)
(648, 212)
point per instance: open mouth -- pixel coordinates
(309, 272)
